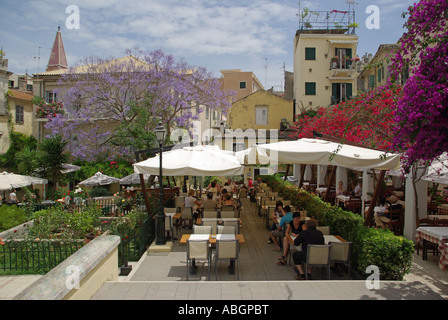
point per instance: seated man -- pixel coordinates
(382, 214)
(209, 203)
(309, 235)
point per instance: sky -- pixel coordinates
(252, 36)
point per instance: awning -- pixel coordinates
(315, 151)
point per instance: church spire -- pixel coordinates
(58, 60)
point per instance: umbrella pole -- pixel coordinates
(145, 195)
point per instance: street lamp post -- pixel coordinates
(160, 221)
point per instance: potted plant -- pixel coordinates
(334, 62)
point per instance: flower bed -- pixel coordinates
(379, 247)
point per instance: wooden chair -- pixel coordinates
(397, 220)
(354, 205)
(442, 222)
(422, 223)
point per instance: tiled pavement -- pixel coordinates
(162, 276)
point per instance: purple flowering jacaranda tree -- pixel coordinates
(113, 105)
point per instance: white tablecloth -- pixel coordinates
(440, 233)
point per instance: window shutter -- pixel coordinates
(310, 53)
(348, 90)
(371, 81)
(310, 88)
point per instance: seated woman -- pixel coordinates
(228, 201)
(191, 202)
(214, 187)
(340, 189)
(277, 214)
(293, 229)
(279, 231)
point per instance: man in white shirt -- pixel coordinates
(13, 197)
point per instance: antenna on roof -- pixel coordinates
(266, 80)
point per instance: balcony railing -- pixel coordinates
(344, 64)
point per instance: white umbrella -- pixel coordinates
(193, 161)
(438, 171)
(68, 167)
(134, 178)
(99, 179)
(315, 151)
(11, 180)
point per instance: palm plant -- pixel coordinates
(52, 156)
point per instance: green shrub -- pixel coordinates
(100, 192)
(57, 223)
(11, 216)
(370, 246)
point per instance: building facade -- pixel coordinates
(376, 73)
(324, 68)
(243, 83)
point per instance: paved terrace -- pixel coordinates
(162, 276)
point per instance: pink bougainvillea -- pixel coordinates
(422, 111)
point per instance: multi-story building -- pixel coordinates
(242, 82)
(375, 74)
(16, 108)
(324, 62)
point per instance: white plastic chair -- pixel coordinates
(341, 253)
(199, 250)
(212, 222)
(318, 255)
(209, 214)
(227, 214)
(227, 250)
(324, 229)
(226, 230)
(202, 229)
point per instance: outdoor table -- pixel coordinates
(220, 220)
(211, 237)
(328, 238)
(437, 235)
(343, 199)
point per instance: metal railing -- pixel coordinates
(35, 256)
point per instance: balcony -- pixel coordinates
(341, 64)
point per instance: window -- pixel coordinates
(261, 115)
(379, 75)
(310, 53)
(371, 81)
(310, 88)
(238, 146)
(19, 115)
(207, 112)
(344, 55)
(29, 87)
(50, 96)
(341, 92)
(242, 84)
